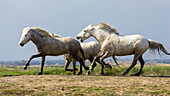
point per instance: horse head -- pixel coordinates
(85, 33)
(26, 36)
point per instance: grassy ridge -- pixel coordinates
(148, 70)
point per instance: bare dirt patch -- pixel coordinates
(83, 85)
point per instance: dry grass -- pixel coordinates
(83, 85)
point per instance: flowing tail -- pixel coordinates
(157, 46)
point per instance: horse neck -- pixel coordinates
(100, 36)
(37, 39)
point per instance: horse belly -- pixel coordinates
(122, 51)
(55, 50)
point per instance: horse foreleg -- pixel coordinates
(142, 62)
(91, 60)
(42, 65)
(93, 64)
(106, 54)
(33, 56)
(132, 65)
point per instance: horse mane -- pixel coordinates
(55, 35)
(108, 28)
(41, 31)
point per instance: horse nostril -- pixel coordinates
(21, 44)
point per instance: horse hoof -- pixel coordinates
(88, 73)
(79, 73)
(123, 74)
(24, 68)
(39, 73)
(137, 74)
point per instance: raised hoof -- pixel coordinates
(86, 68)
(79, 73)
(137, 74)
(40, 73)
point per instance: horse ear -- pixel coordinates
(26, 29)
(90, 25)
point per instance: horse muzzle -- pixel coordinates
(81, 40)
(78, 37)
(21, 44)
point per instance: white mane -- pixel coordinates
(107, 28)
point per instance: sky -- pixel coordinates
(149, 18)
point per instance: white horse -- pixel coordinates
(47, 45)
(115, 45)
(91, 49)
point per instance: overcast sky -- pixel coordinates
(150, 18)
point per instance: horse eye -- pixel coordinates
(25, 35)
(85, 30)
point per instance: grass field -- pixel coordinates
(148, 70)
(155, 81)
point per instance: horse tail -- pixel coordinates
(82, 52)
(157, 46)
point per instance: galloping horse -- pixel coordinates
(47, 45)
(91, 49)
(116, 45)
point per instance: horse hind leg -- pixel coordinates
(74, 67)
(67, 63)
(133, 64)
(142, 62)
(115, 61)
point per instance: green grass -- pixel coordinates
(148, 70)
(16, 71)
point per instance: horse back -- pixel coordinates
(130, 44)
